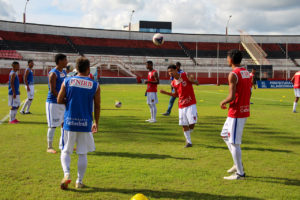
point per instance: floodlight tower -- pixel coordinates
(24, 13)
(227, 26)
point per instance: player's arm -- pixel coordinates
(292, 79)
(252, 81)
(62, 94)
(175, 94)
(97, 108)
(232, 79)
(52, 83)
(192, 79)
(12, 85)
(156, 79)
(25, 79)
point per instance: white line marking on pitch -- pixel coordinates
(7, 116)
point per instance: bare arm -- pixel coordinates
(292, 79)
(175, 94)
(62, 94)
(25, 79)
(232, 88)
(12, 85)
(156, 79)
(192, 79)
(52, 83)
(97, 107)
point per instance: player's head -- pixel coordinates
(178, 65)
(15, 65)
(61, 60)
(149, 65)
(253, 70)
(83, 66)
(69, 67)
(172, 70)
(30, 63)
(234, 57)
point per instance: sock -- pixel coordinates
(65, 163)
(294, 107)
(191, 130)
(226, 140)
(24, 106)
(237, 158)
(50, 136)
(11, 115)
(187, 136)
(151, 110)
(154, 111)
(28, 105)
(82, 164)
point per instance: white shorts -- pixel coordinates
(84, 140)
(297, 92)
(30, 93)
(55, 114)
(14, 102)
(188, 115)
(233, 129)
(152, 98)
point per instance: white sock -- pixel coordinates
(294, 107)
(191, 130)
(237, 158)
(82, 164)
(154, 111)
(11, 115)
(28, 105)
(24, 106)
(65, 159)
(151, 111)
(50, 136)
(187, 136)
(226, 140)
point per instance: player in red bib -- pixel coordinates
(183, 86)
(296, 81)
(239, 109)
(151, 92)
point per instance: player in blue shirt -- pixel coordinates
(14, 93)
(172, 99)
(28, 81)
(55, 112)
(79, 93)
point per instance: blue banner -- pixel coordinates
(275, 84)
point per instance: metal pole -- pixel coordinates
(218, 64)
(286, 61)
(129, 27)
(196, 60)
(226, 30)
(24, 13)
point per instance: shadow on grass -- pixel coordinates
(285, 181)
(190, 195)
(32, 122)
(249, 148)
(137, 155)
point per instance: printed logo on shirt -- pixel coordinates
(245, 74)
(81, 83)
(244, 109)
(62, 75)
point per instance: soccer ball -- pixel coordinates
(158, 39)
(118, 104)
(139, 196)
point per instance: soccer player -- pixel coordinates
(151, 91)
(28, 80)
(296, 80)
(54, 111)
(183, 86)
(78, 92)
(252, 77)
(14, 93)
(239, 109)
(172, 99)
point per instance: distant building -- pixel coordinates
(151, 26)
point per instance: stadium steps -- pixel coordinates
(73, 46)
(187, 52)
(282, 48)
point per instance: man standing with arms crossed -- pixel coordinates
(54, 111)
(239, 109)
(79, 93)
(296, 81)
(183, 86)
(151, 92)
(28, 80)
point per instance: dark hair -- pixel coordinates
(178, 64)
(172, 67)
(82, 64)
(15, 63)
(235, 55)
(30, 61)
(59, 57)
(149, 62)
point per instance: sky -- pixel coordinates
(272, 17)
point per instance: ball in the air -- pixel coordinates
(158, 39)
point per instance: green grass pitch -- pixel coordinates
(133, 156)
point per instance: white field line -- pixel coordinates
(7, 116)
(251, 97)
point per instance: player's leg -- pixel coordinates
(82, 165)
(14, 103)
(154, 109)
(68, 140)
(192, 116)
(30, 99)
(183, 121)
(170, 106)
(51, 127)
